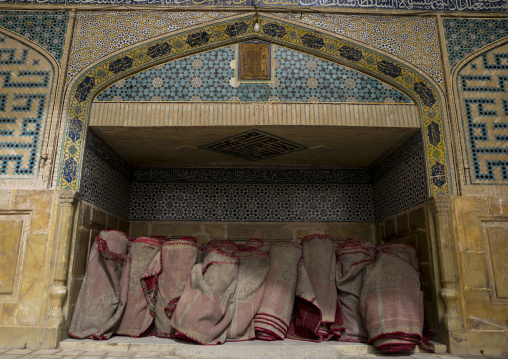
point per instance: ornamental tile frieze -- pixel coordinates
(305, 40)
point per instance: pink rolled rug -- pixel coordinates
(246, 301)
(145, 268)
(353, 256)
(103, 294)
(178, 258)
(203, 313)
(317, 317)
(274, 314)
(391, 302)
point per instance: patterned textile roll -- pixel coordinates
(391, 302)
(272, 319)
(203, 313)
(145, 268)
(224, 245)
(353, 256)
(246, 301)
(103, 294)
(178, 258)
(317, 318)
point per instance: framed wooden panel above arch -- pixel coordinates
(422, 90)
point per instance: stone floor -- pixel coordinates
(117, 354)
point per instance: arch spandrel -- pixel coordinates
(275, 31)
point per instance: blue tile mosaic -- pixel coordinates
(465, 36)
(251, 202)
(483, 92)
(399, 181)
(107, 178)
(26, 79)
(443, 5)
(208, 77)
(47, 29)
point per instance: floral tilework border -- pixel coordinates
(465, 36)
(272, 30)
(46, 28)
(414, 39)
(97, 34)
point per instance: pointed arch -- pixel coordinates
(405, 78)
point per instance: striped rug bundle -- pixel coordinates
(178, 257)
(317, 306)
(203, 313)
(391, 302)
(274, 314)
(353, 256)
(145, 268)
(253, 268)
(103, 294)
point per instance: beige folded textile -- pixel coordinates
(103, 294)
(252, 272)
(178, 258)
(203, 313)
(146, 266)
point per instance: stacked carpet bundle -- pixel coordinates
(103, 294)
(317, 307)
(391, 302)
(145, 268)
(178, 258)
(353, 256)
(203, 313)
(312, 291)
(272, 319)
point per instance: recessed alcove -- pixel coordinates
(349, 163)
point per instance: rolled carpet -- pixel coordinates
(391, 302)
(103, 294)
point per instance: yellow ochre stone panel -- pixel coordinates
(10, 239)
(498, 247)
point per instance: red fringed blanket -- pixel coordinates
(391, 302)
(317, 307)
(252, 273)
(178, 258)
(146, 266)
(352, 257)
(103, 294)
(203, 313)
(272, 319)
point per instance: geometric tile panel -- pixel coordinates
(26, 79)
(444, 5)
(482, 87)
(254, 145)
(399, 181)
(106, 181)
(253, 174)
(414, 39)
(47, 29)
(465, 36)
(206, 76)
(98, 34)
(251, 202)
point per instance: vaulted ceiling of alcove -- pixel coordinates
(336, 146)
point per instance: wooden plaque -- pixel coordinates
(254, 62)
